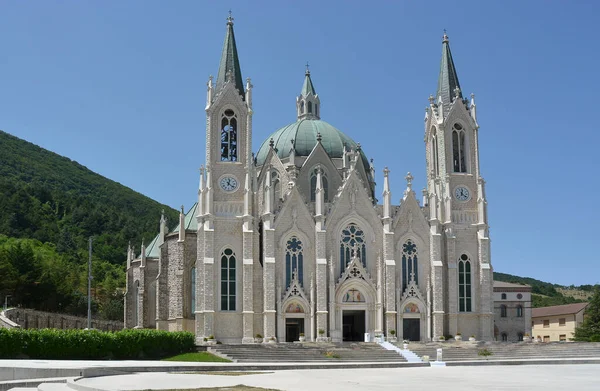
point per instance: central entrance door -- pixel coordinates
(293, 328)
(353, 325)
(411, 329)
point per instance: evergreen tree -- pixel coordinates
(590, 328)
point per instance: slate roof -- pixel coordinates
(448, 78)
(565, 309)
(230, 62)
(504, 285)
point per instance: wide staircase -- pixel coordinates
(308, 352)
(466, 351)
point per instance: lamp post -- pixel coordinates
(89, 313)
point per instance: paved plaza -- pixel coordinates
(464, 378)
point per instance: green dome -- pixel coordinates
(304, 134)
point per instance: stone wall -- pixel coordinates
(33, 319)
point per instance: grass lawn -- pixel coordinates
(196, 357)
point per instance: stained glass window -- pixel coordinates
(464, 284)
(410, 266)
(228, 286)
(294, 260)
(229, 137)
(352, 235)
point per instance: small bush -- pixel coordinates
(484, 353)
(78, 344)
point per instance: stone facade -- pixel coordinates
(512, 311)
(292, 241)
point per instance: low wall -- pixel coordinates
(6, 323)
(33, 319)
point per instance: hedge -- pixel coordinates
(76, 344)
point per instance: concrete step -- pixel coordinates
(53, 387)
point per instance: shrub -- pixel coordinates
(258, 336)
(321, 331)
(393, 332)
(484, 353)
(78, 344)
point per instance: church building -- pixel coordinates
(291, 242)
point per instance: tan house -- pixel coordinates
(557, 323)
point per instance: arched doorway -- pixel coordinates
(295, 319)
(411, 322)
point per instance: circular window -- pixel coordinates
(229, 113)
(464, 257)
(519, 296)
(458, 126)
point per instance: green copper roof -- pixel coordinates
(448, 79)
(230, 61)
(307, 87)
(190, 219)
(304, 134)
(152, 251)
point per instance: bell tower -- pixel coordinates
(457, 208)
(226, 198)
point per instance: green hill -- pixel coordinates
(50, 205)
(547, 294)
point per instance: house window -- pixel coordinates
(459, 149)
(228, 137)
(504, 296)
(352, 236)
(519, 311)
(294, 260)
(410, 266)
(313, 186)
(503, 311)
(562, 337)
(464, 284)
(228, 286)
(192, 291)
(504, 337)
(546, 322)
(562, 322)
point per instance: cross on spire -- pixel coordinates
(230, 19)
(307, 72)
(409, 178)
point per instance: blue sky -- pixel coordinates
(120, 87)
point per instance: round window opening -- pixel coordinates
(229, 113)
(458, 126)
(464, 257)
(519, 296)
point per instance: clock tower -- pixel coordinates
(225, 261)
(460, 245)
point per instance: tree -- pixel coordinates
(589, 330)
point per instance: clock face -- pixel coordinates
(228, 183)
(462, 193)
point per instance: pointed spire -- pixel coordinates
(448, 79)
(308, 103)
(229, 68)
(307, 87)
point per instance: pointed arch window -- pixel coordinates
(434, 152)
(192, 291)
(294, 260)
(459, 149)
(313, 186)
(464, 284)
(302, 107)
(228, 280)
(410, 266)
(352, 235)
(229, 139)
(276, 189)
(136, 312)
(309, 107)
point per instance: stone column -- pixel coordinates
(199, 310)
(437, 284)
(321, 275)
(209, 283)
(390, 283)
(247, 288)
(269, 282)
(452, 258)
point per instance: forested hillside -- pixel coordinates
(49, 207)
(547, 294)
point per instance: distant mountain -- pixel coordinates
(57, 201)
